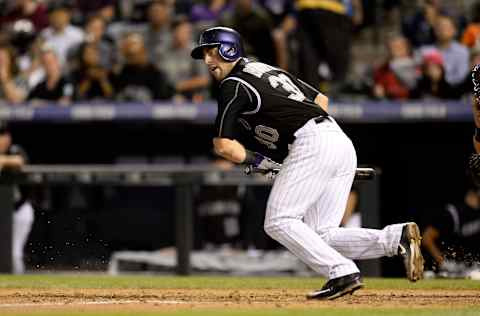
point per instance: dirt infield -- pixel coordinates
(168, 299)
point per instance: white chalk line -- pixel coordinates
(106, 302)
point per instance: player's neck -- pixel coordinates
(232, 65)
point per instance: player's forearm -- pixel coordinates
(429, 242)
(229, 149)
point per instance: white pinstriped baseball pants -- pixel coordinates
(308, 200)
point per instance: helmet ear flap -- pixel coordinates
(228, 51)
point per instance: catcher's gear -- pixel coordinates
(228, 40)
(474, 165)
(476, 81)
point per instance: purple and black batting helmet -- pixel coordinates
(228, 40)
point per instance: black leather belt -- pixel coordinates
(321, 119)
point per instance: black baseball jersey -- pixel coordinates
(263, 106)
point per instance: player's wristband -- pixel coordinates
(477, 134)
(251, 158)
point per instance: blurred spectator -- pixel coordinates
(471, 35)
(328, 26)
(278, 10)
(102, 8)
(92, 80)
(433, 82)
(356, 12)
(32, 10)
(418, 28)
(255, 26)
(284, 23)
(455, 55)
(157, 34)
(206, 13)
(95, 35)
(183, 7)
(453, 235)
(13, 86)
(135, 11)
(30, 64)
(190, 76)
(398, 75)
(22, 36)
(139, 80)
(13, 156)
(55, 86)
(61, 35)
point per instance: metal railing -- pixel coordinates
(183, 178)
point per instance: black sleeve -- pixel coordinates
(233, 99)
(445, 221)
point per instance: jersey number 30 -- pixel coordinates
(267, 136)
(287, 85)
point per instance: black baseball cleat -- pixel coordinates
(338, 287)
(409, 250)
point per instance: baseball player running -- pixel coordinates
(266, 116)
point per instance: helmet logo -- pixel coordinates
(231, 51)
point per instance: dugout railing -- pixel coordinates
(183, 178)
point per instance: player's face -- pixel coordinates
(218, 67)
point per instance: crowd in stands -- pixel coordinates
(432, 58)
(66, 51)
